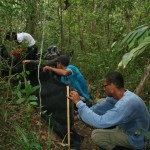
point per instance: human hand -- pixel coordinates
(46, 68)
(26, 61)
(74, 96)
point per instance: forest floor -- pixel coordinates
(57, 143)
(85, 131)
(19, 128)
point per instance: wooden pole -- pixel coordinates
(68, 117)
(24, 69)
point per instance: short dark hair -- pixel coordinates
(63, 59)
(116, 78)
(11, 35)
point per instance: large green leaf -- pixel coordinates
(137, 41)
(137, 36)
(126, 59)
(140, 26)
(134, 53)
(127, 37)
(142, 31)
(145, 43)
(133, 36)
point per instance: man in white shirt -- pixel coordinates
(26, 44)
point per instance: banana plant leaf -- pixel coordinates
(134, 53)
(137, 41)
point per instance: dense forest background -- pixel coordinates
(91, 32)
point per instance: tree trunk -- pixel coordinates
(61, 24)
(139, 90)
(93, 24)
(80, 30)
(109, 23)
(69, 31)
(32, 17)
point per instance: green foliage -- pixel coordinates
(136, 42)
(89, 29)
(25, 141)
(94, 66)
(26, 94)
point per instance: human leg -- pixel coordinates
(109, 138)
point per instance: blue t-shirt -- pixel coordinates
(76, 82)
(130, 113)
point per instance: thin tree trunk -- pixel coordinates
(31, 17)
(109, 23)
(93, 24)
(69, 30)
(80, 30)
(61, 24)
(139, 90)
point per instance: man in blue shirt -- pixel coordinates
(122, 109)
(72, 76)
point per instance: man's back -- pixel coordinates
(25, 37)
(76, 81)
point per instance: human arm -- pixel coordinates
(110, 118)
(21, 47)
(100, 108)
(43, 63)
(20, 44)
(30, 61)
(63, 72)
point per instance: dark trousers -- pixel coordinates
(32, 52)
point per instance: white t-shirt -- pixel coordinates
(25, 37)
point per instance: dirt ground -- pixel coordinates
(58, 144)
(81, 129)
(85, 131)
(41, 130)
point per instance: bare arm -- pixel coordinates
(30, 61)
(57, 71)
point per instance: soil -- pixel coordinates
(57, 143)
(81, 129)
(40, 128)
(85, 131)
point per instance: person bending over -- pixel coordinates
(121, 108)
(27, 45)
(71, 76)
